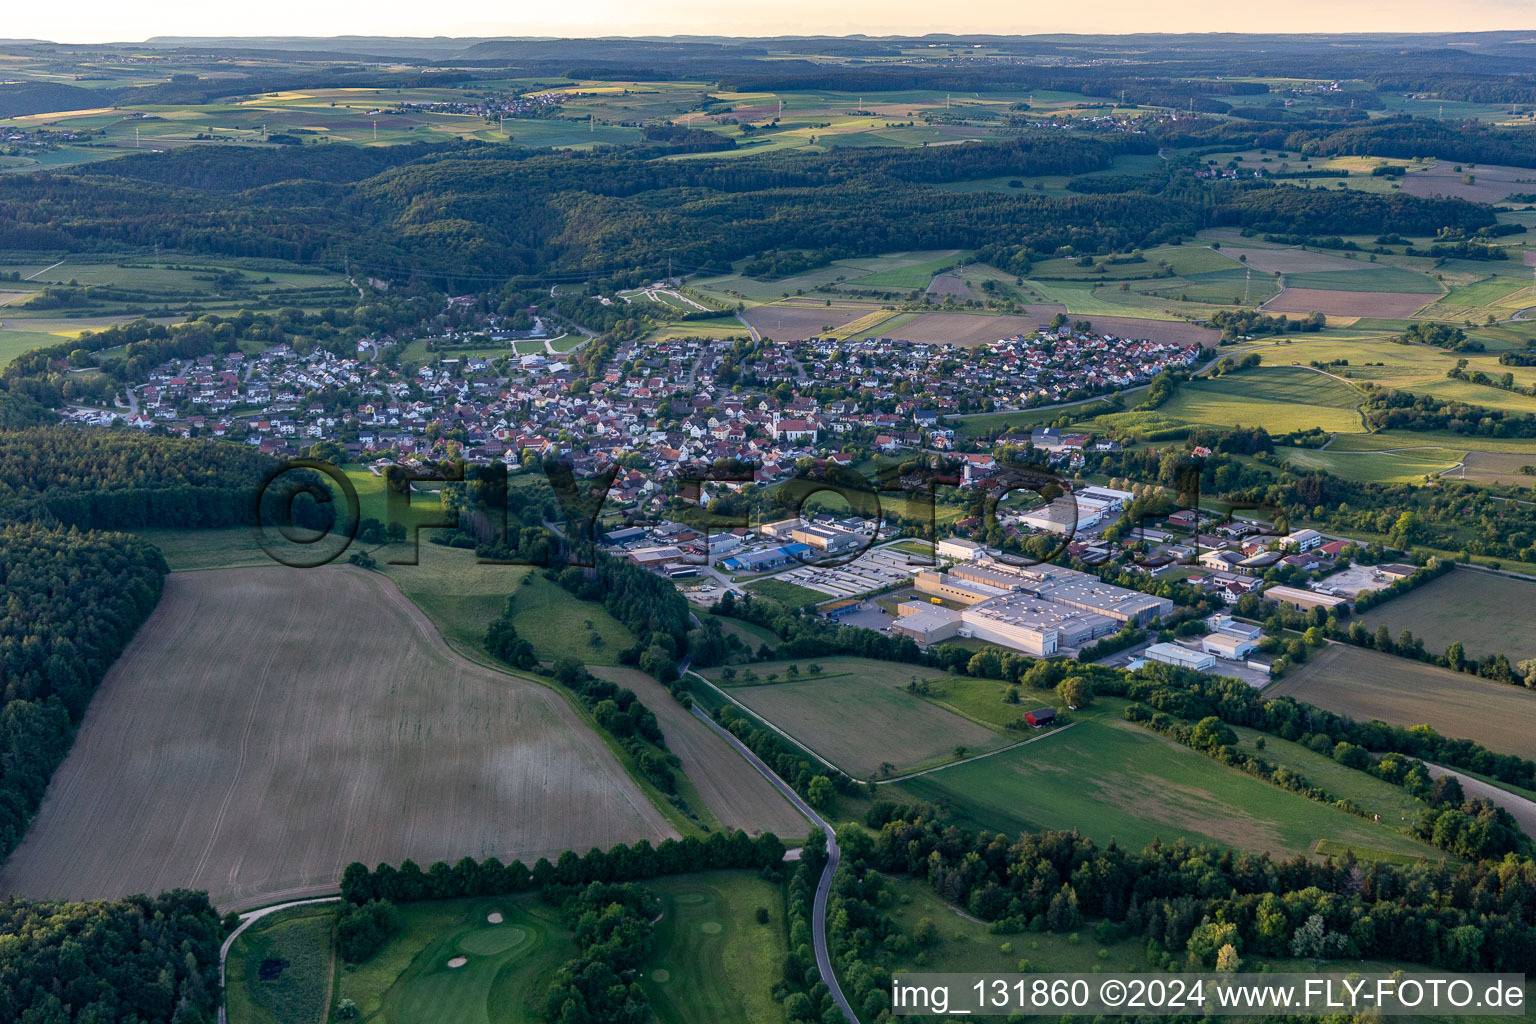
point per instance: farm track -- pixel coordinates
(268, 726)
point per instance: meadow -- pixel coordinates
(1278, 398)
(268, 726)
(1487, 612)
(1110, 779)
(857, 714)
(1367, 685)
(300, 939)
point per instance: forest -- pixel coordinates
(139, 960)
(441, 214)
(73, 600)
(96, 479)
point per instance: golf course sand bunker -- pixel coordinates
(457, 962)
(494, 917)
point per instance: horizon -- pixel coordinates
(112, 24)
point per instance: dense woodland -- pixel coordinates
(96, 479)
(72, 602)
(441, 214)
(140, 960)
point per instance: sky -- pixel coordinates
(89, 21)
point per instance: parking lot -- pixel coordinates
(1356, 580)
(874, 570)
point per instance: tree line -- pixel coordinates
(72, 602)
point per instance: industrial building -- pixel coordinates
(1302, 600)
(768, 558)
(960, 549)
(1040, 610)
(1183, 657)
(828, 539)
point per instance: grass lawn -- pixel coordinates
(1489, 614)
(982, 700)
(1367, 279)
(300, 939)
(1113, 779)
(713, 962)
(857, 714)
(508, 966)
(786, 593)
(1369, 685)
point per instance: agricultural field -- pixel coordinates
(1111, 779)
(731, 789)
(348, 732)
(296, 945)
(713, 961)
(1340, 302)
(1389, 467)
(1278, 398)
(1487, 612)
(856, 713)
(793, 321)
(1368, 685)
(462, 598)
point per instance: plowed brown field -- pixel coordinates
(268, 726)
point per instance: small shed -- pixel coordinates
(1040, 716)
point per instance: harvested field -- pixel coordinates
(1490, 182)
(1495, 468)
(734, 791)
(949, 284)
(969, 330)
(1367, 685)
(268, 726)
(1339, 303)
(793, 322)
(1488, 613)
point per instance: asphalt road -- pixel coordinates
(824, 887)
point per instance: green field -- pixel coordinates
(1367, 685)
(300, 936)
(713, 962)
(1378, 278)
(1488, 613)
(1398, 808)
(1278, 398)
(967, 945)
(1112, 779)
(462, 597)
(791, 594)
(1373, 467)
(857, 714)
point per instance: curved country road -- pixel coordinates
(247, 919)
(824, 887)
